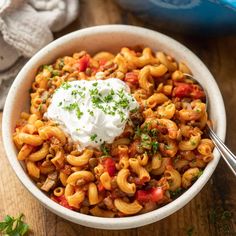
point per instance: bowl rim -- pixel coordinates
(93, 221)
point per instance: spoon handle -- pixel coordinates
(228, 156)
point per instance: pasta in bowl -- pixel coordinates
(114, 134)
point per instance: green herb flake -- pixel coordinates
(79, 113)
(153, 133)
(155, 147)
(105, 150)
(93, 137)
(55, 73)
(59, 104)
(138, 131)
(200, 173)
(108, 98)
(48, 67)
(134, 110)
(91, 113)
(193, 143)
(71, 107)
(40, 106)
(175, 193)
(74, 93)
(93, 92)
(65, 85)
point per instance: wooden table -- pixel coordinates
(208, 213)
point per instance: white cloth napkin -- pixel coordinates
(25, 27)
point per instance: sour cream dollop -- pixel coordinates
(92, 112)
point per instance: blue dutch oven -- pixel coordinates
(188, 16)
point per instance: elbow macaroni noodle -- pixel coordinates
(162, 150)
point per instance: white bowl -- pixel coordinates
(111, 38)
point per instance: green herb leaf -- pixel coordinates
(65, 85)
(155, 147)
(193, 143)
(176, 193)
(79, 113)
(13, 226)
(105, 150)
(200, 173)
(93, 137)
(48, 67)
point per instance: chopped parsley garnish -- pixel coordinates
(146, 141)
(40, 106)
(47, 67)
(79, 113)
(155, 147)
(135, 109)
(71, 107)
(105, 150)
(124, 102)
(65, 85)
(91, 113)
(74, 107)
(74, 93)
(59, 104)
(200, 173)
(138, 131)
(93, 92)
(175, 193)
(193, 143)
(153, 133)
(108, 98)
(55, 73)
(93, 137)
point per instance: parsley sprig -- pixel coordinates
(13, 226)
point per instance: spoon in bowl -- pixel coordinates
(227, 155)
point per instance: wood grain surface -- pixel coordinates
(211, 213)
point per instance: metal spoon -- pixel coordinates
(227, 155)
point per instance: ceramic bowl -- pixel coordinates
(111, 38)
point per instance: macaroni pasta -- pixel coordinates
(161, 152)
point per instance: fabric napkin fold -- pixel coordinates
(25, 27)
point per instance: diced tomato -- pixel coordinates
(62, 201)
(182, 90)
(153, 194)
(83, 63)
(131, 77)
(156, 194)
(100, 187)
(142, 196)
(188, 90)
(197, 92)
(110, 166)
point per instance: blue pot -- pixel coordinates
(188, 16)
